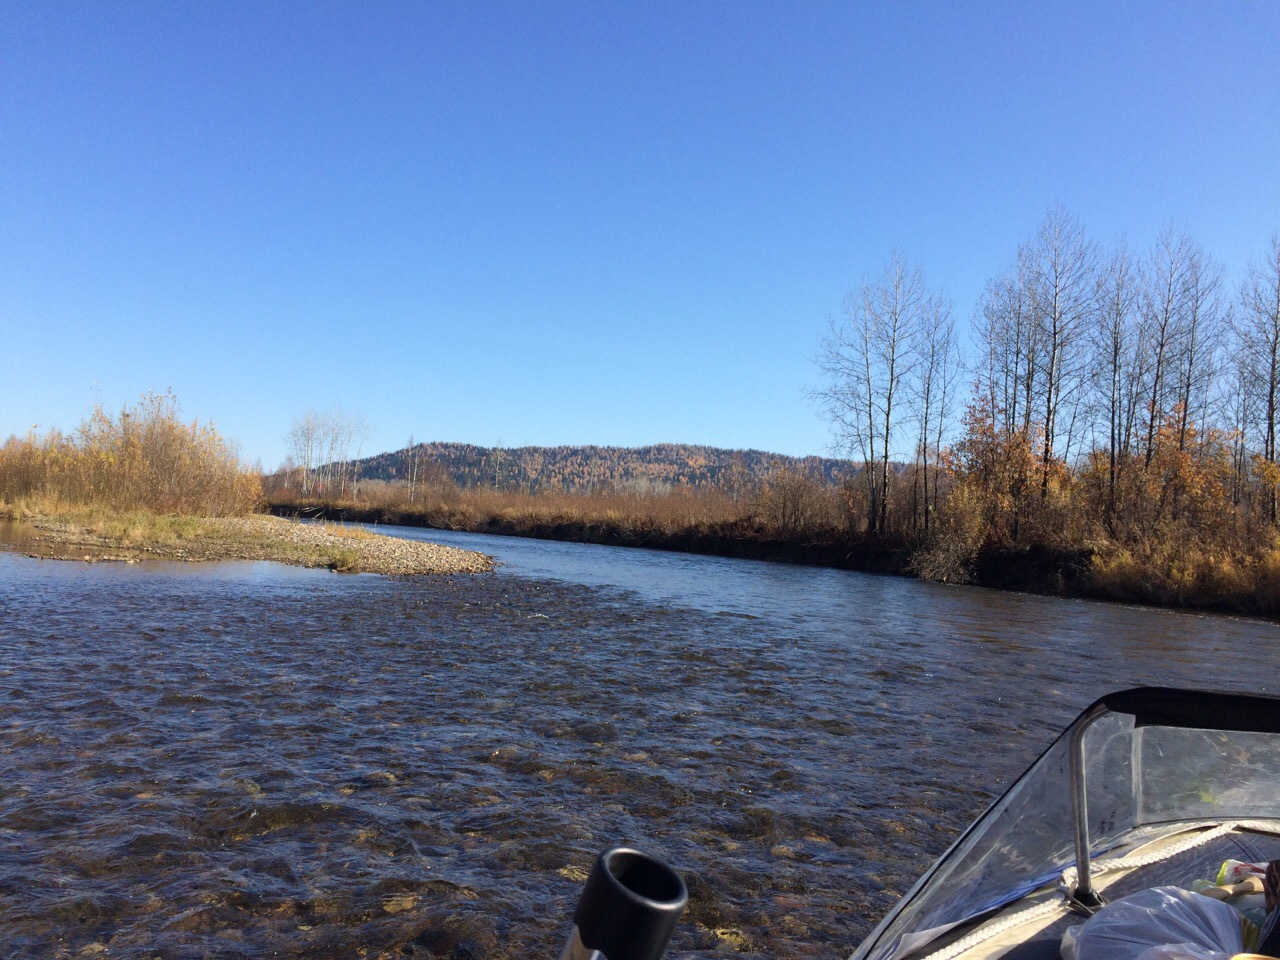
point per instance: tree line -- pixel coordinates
(1115, 396)
(324, 450)
(1113, 412)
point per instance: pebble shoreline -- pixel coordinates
(261, 537)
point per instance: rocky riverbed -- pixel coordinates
(188, 539)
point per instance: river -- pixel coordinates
(248, 760)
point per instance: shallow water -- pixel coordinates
(242, 760)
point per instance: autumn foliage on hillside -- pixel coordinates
(655, 469)
(144, 458)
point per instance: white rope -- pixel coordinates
(1135, 860)
(987, 931)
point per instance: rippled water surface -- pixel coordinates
(246, 760)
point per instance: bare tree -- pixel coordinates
(304, 438)
(355, 431)
(1241, 411)
(1258, 331)
(322, 445)
(499, 455)
(1201, 335)
(869, 357)
(1009, 344)
(1059, 266)
(411, 451)
(932, 392)
(1116, 360)
(1163, 306)
(735, 479)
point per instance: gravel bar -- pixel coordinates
(258, 537)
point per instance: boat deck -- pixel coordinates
(1040, 937)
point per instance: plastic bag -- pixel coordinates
(1233, 871)
(1163, 923)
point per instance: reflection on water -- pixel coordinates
(244, 760)
(13, 533)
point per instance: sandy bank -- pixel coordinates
(188, 539)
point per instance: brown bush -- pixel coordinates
(957, 536)
(144, 459)
(793, 503)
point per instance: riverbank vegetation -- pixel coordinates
(146, 458)
(1109, 429)
(806, 527)
(1121, 414)
(144, 484)
(1122, 405)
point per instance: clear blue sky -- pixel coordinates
(605, 222)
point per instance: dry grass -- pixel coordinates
(128, 528)
(789, 505)
(346, 532)
(666, 513)
(140, 527)
(634, 515)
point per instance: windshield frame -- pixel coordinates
(1146, 706)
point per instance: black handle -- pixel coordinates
(630, 905)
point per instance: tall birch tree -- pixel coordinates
(869, 357)
(1059, 265)
(1116, 367)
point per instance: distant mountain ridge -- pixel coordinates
(655, 468)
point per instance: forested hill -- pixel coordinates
(536, 469)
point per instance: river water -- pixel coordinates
(249, 760)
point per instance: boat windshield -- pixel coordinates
(1151, 756)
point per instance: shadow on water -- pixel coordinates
(240, 760)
